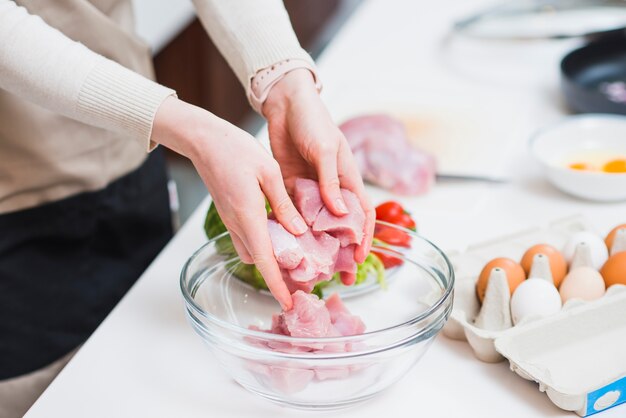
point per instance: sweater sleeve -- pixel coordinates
(42, 65)
(250, 34)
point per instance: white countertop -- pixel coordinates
(145, 360)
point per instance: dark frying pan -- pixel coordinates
(593, 78)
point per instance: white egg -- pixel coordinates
(599, 252)
(534, 298)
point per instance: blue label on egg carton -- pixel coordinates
(606, 397)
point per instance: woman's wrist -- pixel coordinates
(293, 86)
(182, 127)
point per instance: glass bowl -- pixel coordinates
(401, 322)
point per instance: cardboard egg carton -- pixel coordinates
(576, 356)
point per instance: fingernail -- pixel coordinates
(298, 225)
(341, 206)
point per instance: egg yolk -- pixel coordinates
(615, 166)
(580, 166)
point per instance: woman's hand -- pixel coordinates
(306, 143)
(239, 173)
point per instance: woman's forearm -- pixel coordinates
(250, 34)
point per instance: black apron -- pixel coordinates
(65, 265)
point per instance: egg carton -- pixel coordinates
(589, 335)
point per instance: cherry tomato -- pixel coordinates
(388, 260)
(405, 220)
(394, 213)
(388, 211)
(393, 236)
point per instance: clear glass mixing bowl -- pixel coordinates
(402, 321)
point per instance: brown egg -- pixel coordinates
(609, 238)
(514, 273)
(558, 265)
(614, 270)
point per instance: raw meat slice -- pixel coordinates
(278, 325)
(288, 377)
(385, 156)
(315, 256)
(309, 317)
(304, 260)
(348, 229)
(287, 251)
(345, 259)
(342, 319)
(306, 287)
(348, 324)
(334, 305)
(359, 130)
(320, 253)
(308, 199)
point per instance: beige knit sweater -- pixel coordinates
(77, 101)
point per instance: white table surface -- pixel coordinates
(145, 360)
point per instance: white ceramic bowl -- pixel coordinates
(581, 137)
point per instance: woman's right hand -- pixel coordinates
(239, 173)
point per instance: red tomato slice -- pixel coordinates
(393, 236)
(405, 220)
(388, 261)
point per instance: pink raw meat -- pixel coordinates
(311, 317)
(320, 253)
(278, 325)
(342, 319)
(324, 249)
(308, 199)
(345, 259)
(385, 156)
(286, 377)
(294, 286)
(348, 229)
(287, 251)
(308, 318)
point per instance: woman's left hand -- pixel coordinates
(306, 143)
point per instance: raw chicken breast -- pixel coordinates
(311, 317)
(288, 377)
(320, 253)
(348, 229)
(287, 251)
(308, 318)
(385, 156)
(345, 259)
(343, 321)
(324, 249)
